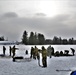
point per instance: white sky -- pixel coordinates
(50, 17)
(31, 7)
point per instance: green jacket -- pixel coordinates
(44, 53)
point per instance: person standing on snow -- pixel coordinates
(10, 50)
(49, 51)
(36, 52)
(44, 56)
(13, 50)
(4, 49)
(32, 51)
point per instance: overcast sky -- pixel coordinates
(49, 17)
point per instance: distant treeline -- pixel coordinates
(60, 41)
(39, 39)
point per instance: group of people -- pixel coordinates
(12, 50)
(35, 54)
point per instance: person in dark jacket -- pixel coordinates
(13, 50)
(4, 49)
(10, 50)
(31, 53)
(73, 51)
(26, 52)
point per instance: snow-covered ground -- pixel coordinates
(8, 67)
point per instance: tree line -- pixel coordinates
(33, 39)
(39, 39)
(60, 41)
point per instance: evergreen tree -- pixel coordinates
(24, 38)
(35, 39)
(31, 38)
(71, 40)
(55, 40)
(41, 39)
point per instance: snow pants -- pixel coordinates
(44, 61)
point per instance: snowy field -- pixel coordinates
(24, 67)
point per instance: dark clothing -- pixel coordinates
(73, 51)
(26, 52)
(13, 50)
(4, 49)
(10, 50)
(32, 51)
(44, 62)
(44, 57)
